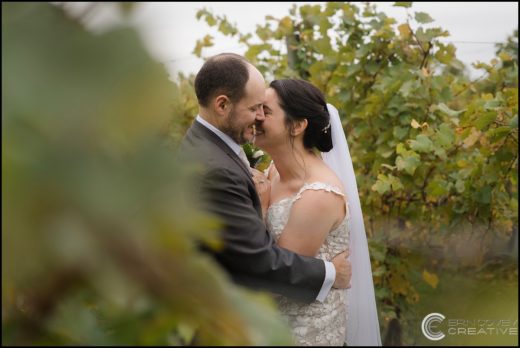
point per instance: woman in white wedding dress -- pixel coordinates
(308, 209)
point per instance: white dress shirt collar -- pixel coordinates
(226, 138)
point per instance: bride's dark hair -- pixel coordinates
(300, 100)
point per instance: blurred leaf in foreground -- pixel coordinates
(98, 234)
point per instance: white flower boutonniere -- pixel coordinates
(257, 158)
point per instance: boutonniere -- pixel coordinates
(256, 157)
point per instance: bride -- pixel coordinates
(312, 208)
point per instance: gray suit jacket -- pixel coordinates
(250, 254)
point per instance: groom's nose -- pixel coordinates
(260, 116)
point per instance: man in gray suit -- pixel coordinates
(230, 92)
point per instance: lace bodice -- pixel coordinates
(316, 323)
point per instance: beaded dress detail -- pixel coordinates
(318, 323)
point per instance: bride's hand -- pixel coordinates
(263, 188)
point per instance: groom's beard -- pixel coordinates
(233, 128)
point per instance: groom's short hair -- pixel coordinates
(225, 73)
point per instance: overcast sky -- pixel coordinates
(170, 30)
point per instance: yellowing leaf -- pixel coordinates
(286, 24)
(415, 124)
(398, 284)
(405, 31)
(430, 278)
(487, 96)
(472, 138)
(462, 163)
(504, 56)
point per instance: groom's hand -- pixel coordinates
(343, 271)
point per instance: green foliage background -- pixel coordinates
(435, 152)
(98, 233)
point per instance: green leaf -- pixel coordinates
(400, 132)
(323, 45)
(441, 153)
(423, 17)
(423, 36)
(210, 20)
(186, 333)
(226, 28)
(400, 149)
(445, 109)
(460, 185)
(407, 87)
(445, 54)
(382, 184)
(207, 41)
(385, 152)
(286, 25)
(437, 188)
(255, 50)
(395, 183)
(406, 4)
(445, 135)
(264, 33)
(200, 13)
(492, 104)
(379, 271)
(485, 120)
(484, 195)
(372, 67)
(504, 56)
(514, 122)
(408, 163)
(445, 94)
(421, 144)
(498, 133)
(382, 293)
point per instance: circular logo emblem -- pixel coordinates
(429, 326)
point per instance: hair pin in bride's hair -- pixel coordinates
(326, 128)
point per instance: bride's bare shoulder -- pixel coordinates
(324, 174)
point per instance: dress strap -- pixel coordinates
(318, 186)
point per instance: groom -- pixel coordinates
(230, 93)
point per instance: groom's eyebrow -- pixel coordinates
(267, 107)
(256, 106)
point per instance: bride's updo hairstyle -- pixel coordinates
(301, 100)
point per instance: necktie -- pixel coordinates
(243, 157)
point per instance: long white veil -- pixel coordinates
(362, 320)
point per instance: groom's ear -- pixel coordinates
(299, 127)
(222, 104)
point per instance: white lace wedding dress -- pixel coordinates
(316, 323)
